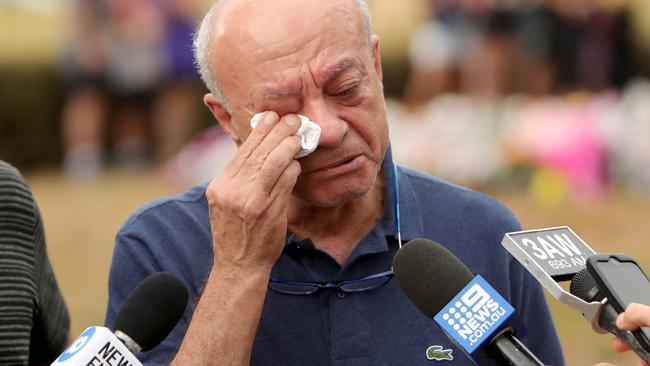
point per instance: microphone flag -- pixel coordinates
(97, 346)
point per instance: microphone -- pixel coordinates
(147, 317)
(601, 285)
(466, 307)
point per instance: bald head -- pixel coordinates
(223, 28)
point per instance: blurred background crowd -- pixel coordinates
(548, 93)
(543, 103)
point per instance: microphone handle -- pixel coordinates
(607, 321)
(506, 349)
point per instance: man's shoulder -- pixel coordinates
(469, 223)
(168, 210)
(16, 199)
(12, 178)
(438, 197)
(171, 234)
(9, 170)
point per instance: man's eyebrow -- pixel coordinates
(338, 69)
(274, 93)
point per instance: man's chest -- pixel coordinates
(380, 327)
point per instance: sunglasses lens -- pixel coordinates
(365, 285)
(292, 288)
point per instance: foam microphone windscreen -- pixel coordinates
(584, 287)
(429, 274)
(152, 310)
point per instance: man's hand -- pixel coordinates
(248, 202)
(248, 206)
(634, 317)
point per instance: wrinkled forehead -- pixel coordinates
(266, 41)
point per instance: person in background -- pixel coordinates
(177, 103)
(34, 320)
(86, 107)
(132, 91)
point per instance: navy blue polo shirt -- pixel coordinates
(379, 327)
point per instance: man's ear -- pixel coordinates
(374, 41)
(222, 115)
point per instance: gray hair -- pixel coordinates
(202, 52)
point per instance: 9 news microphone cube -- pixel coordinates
(475, 314)
(97, 346)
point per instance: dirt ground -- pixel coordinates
(82, 219)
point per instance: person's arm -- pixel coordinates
(51, 328)
(248, 206)
(28, 278)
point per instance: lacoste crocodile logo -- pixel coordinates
(439, 354)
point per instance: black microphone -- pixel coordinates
(151, 311)
(434, 279)
(147, 317)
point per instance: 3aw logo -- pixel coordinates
(474, 314)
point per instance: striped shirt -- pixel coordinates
(34, 321)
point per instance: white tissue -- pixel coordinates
(309, 133)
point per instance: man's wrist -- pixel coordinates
(241, 272)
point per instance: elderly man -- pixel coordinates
(256, 246)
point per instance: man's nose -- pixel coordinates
(333, 128)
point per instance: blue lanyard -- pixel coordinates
(397, 216)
